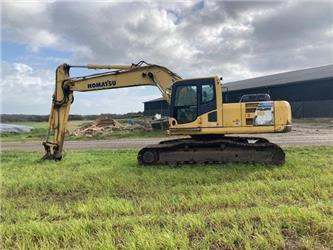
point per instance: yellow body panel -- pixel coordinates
(238, 118)
(234, 122)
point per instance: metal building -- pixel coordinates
(309, 91)
(156, 106)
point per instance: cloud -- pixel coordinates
(186, 37)
(285, 39)
(27, 90)
(20, 74)
(24, 89)
(237, 40)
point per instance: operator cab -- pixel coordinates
(192, 98)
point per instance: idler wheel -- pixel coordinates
(149, 157)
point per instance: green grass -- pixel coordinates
(103, 199)
(39, 133)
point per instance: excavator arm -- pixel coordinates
(119, 76)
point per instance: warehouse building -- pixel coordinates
(156, 106)
(309, 91)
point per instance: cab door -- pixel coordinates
(185, 104)
(193, 98)
(207, 102)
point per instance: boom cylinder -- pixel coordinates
(110, 66)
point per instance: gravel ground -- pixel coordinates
(301, 135)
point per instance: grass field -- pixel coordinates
(40, 130)
(104, 200)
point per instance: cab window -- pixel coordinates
(186, 96)
(186, 103)
(207, 93)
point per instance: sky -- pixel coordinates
(235, 40)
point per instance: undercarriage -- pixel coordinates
(210, 150)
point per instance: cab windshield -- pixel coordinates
(192, 98)
(186, 103)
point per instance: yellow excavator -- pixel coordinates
(197, 110)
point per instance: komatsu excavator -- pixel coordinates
(197, 110)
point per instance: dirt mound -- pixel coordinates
(101, 124)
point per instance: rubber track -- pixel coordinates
(213, 151)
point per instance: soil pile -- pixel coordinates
(101, 124)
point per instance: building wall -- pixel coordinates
(156, 107)
(312, 109)
(304, 91)
(307, 99)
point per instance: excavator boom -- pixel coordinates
(120, 76)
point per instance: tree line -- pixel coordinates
(7, 118)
